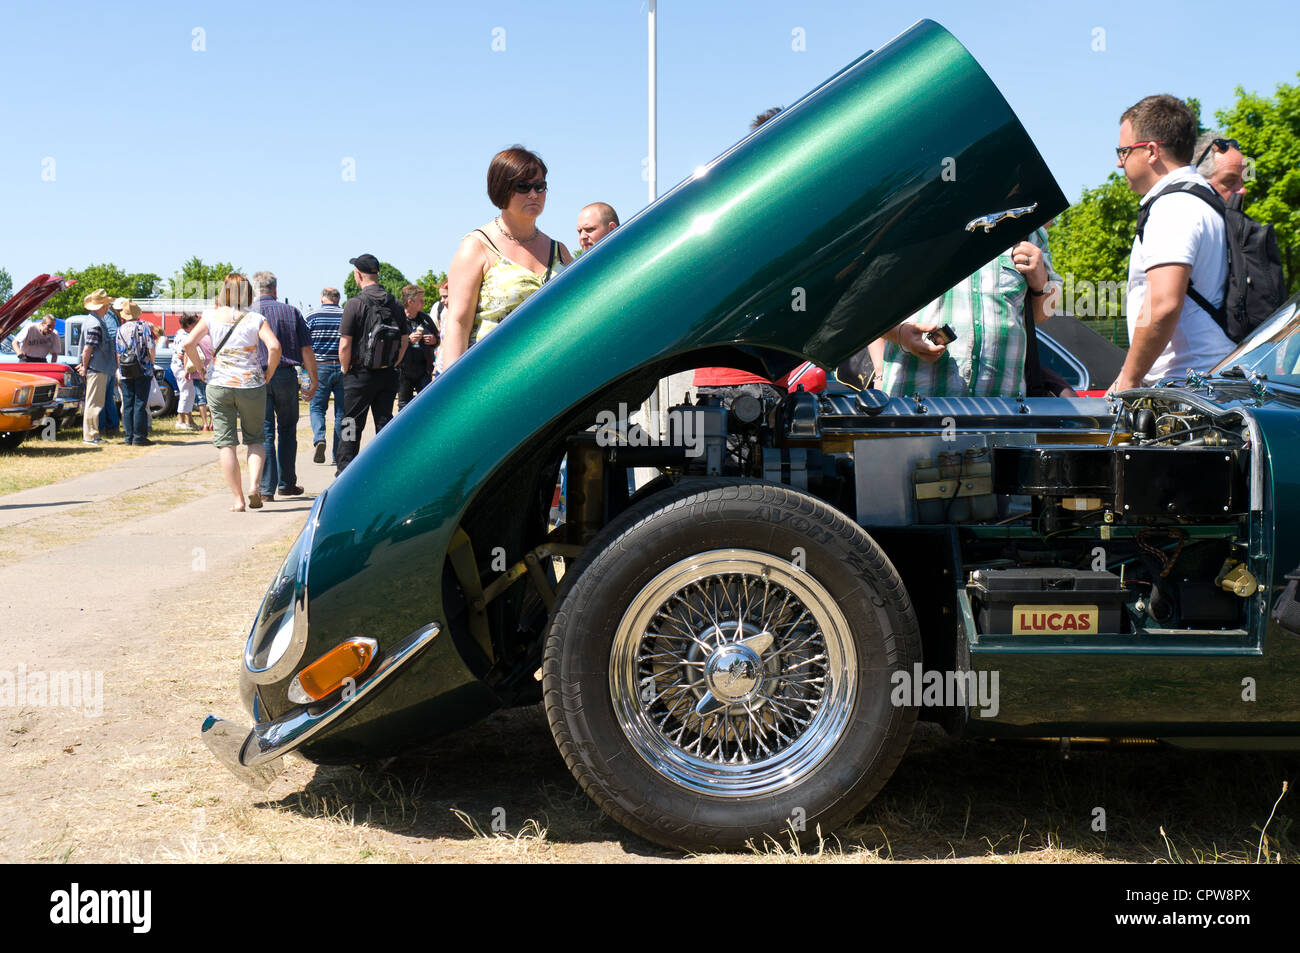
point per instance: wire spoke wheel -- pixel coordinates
(733, 673)
(706, 690)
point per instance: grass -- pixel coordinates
(38, 462)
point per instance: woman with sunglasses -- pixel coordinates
(503, 263)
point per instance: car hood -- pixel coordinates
(21, 306)
(826, 226)
(19, 379)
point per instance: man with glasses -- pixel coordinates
(1181, 243)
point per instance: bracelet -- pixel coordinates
(1036, 294)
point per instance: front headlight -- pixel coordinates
(279, 632)
(23, 396)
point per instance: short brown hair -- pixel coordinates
(331, 293)
(236, 292)
(411, 292)
(1164, 119)
(508, 167)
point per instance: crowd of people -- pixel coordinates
(246, 363)
(243, 366)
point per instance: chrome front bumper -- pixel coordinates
(251, 755)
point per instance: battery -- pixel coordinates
(1051, 602)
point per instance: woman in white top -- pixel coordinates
(236, 385)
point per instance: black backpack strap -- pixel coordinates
(1202, 192)
(1214, 201)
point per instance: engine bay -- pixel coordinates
(1076, 521)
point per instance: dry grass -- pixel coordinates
(38, 462)
(139, 786)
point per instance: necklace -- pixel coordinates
(502, 227)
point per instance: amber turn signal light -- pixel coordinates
(341, 663)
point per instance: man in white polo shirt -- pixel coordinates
(1182, 242)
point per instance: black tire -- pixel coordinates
(606, 680)
(11, 439)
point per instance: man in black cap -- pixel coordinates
(372, 341)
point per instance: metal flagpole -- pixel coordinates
(659, 395)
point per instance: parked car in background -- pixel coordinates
(1083, 358)
(14, 316)
(26, 402)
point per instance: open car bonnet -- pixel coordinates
(870, 196)
(21, 306)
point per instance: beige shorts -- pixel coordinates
(237, 407)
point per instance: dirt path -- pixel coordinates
(140, 583)
(147, 593)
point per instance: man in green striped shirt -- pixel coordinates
(987, 312)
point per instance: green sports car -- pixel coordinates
(743, 644)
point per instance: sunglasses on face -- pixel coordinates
(523, 188)
(1222, 145)
(1122, 151)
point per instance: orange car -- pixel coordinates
(25, 402)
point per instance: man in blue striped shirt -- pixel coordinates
(323, 322)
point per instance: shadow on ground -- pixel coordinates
(948, 799)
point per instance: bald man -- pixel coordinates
(595, 222)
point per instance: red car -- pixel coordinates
(70, 388)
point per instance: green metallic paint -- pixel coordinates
(858, 195)
(1095, 690)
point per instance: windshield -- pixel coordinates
(1273, 350)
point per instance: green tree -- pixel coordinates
(1090, 243)
(6, 285)
(107, 276)
(197, 280)
(430, 282)
(390, 277)
(1269, 132)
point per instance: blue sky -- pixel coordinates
(237, 151)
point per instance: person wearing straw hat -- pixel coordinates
(109, 418)
(98, 362)
(135, 357)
